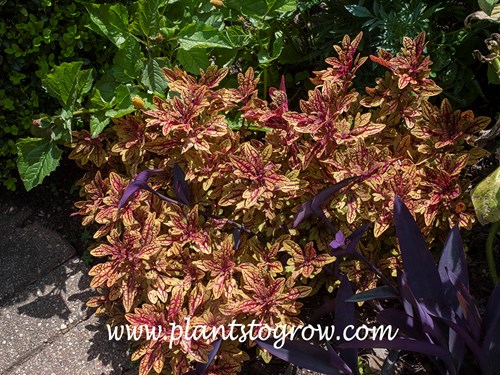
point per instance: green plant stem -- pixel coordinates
(75, 113)
(84, 112)
(489, 251)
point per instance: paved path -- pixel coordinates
(45, 327)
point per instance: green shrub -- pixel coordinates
(35, 36)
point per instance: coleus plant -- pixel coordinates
(233, 236)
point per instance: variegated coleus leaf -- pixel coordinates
(268, 299)
(444, 194)
(343, 68)
(95, 191)
(86, 148)
(154, 352)
(123, 269)
(131, 133)
(411, 66)
(258, 178)
(221, 267)
(305, 262)
(445, 127)
(267, 256)
(186, 229)
(110, 205)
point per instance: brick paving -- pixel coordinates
(45, 327)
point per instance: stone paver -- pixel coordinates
(84, 350)
(42, 311)
(45, 326)
(27, 253)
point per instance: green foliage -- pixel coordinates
(405, 18)
(35, 36)
(486, 198)
(37, 159)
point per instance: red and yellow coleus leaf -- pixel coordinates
(87, 148)
(305, 262)
(444, 127)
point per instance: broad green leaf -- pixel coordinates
(104, 91)
(98, 101)
(225, 57)
(487, 5)
(37, 158)
(98, 122)
(110, 21)
(201, 36)
(266, 57)
(359, 11)
(237, 36)
(193, 59)
(486, 198)
(122, 102)
(153, 78)
(168, 32)
(128, 62)
(493, 76)
(149, 17)
(282, 6)
(68, 83)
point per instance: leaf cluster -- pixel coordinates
(454, 69)
(217, 222)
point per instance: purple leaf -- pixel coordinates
(382, 292)
(181, 187)
(406, 324)
(139, 182)
(429, 326)
(453, 259)
(345, 315)
(468, 307)
(236, 238)
(479, 353)
(491, 342)
(407, 306)
(420, 268)
(336, 361)
(303, 354)
(313, 205)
